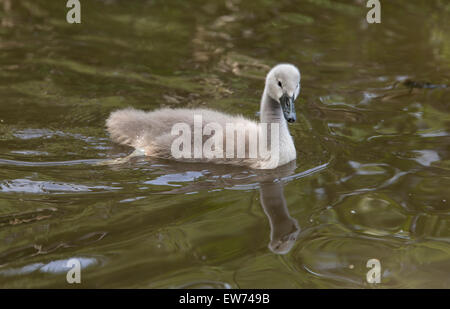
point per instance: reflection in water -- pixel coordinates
(194, 177)
(283, 228)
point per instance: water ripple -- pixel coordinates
(30, 186)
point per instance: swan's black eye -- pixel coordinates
(279, 84)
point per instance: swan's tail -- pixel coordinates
(126, 126)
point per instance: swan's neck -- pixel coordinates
(270, 110)
(271, 113)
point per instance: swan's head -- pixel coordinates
(283, 86)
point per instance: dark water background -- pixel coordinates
(371, 180)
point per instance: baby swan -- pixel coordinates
(153, 134)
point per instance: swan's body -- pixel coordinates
(151, 132)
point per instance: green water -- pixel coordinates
(371, 180)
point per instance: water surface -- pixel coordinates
(371, 180)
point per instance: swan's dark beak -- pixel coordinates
(288, 107)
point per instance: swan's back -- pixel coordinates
(151, 131)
